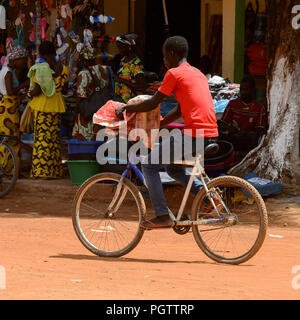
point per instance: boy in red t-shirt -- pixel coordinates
(195, 105)
(245, 118)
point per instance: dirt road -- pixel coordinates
(41, 257)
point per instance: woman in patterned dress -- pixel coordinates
(130, 79)
(9, 89)
(48, 80)
(90, 71)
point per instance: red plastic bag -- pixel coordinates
(106, 115)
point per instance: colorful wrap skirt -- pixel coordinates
(46, 155)
(9, 121)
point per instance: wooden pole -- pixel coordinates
(239, 48)
(38, 25)
(132, 15)
(165, 12)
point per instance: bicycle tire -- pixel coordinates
(204, 238)
(9, 153)
(110, 229)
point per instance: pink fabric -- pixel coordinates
(43, 24)
(176, 125)
(146, 121)
(146, 124)
(4, 61)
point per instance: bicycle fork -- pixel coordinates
(117, 199)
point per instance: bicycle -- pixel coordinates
(228, 216)
(9, 164)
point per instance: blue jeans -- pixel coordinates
(180, 148)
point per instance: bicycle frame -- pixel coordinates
(197, 171)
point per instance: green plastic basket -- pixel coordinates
(81, 170)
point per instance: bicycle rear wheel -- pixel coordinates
(107, 215)
(9, 168)
(241, 232)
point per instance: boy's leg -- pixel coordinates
(153, 181)
(190, 148)
(178, 173)
(174, 145)
(155, 188)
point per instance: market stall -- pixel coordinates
(68, 24)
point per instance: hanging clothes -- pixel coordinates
(2, 17)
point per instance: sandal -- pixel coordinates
(158, 222)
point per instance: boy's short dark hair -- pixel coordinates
(249, 80)
(47, 47)
(177, 44)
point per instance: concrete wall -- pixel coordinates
(208, 9)
(227, 9)
(228, 39)
(119, 10)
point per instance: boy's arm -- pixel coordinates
(144, 106)
(173, 115)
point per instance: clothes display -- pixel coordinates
(222, 91)
(2, 17)
(257, 53)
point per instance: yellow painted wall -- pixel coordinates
(119, 10)
(227, 9)
(228, 39)
(208, 9)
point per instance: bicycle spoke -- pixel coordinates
(109, 225)
(242, 232)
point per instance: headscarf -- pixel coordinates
(128, 38)
(44, 77)
(17, 52)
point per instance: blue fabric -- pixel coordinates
(166, 107)
(220, 105)
(264, 186)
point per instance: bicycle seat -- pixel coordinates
(210, 149)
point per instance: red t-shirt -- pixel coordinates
(245, 116)
(190, 88)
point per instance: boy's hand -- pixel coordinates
(119, 112)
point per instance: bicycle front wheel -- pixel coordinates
(9, 168)
(238, 233)
(107, 215)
